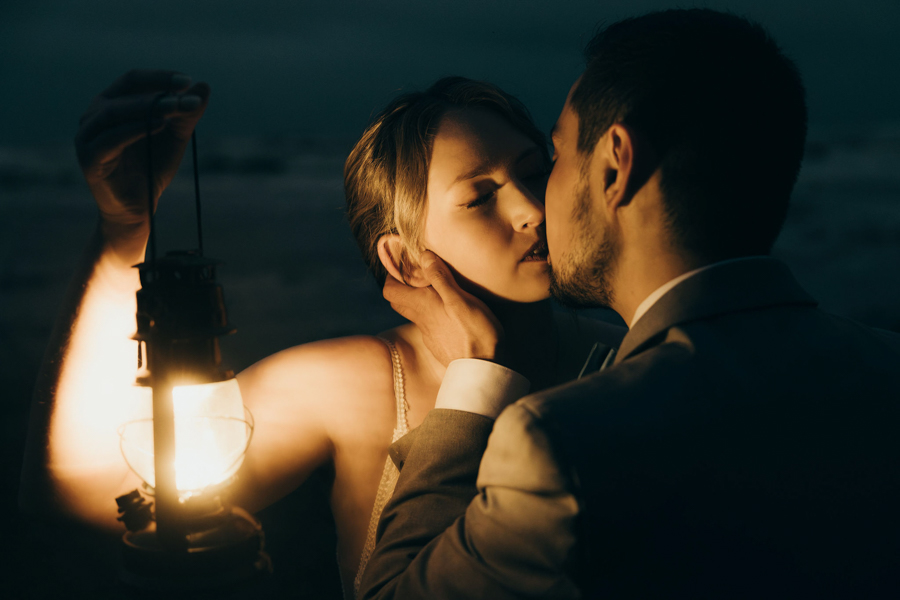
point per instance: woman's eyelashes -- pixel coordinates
(483, 199)
(537, 176)
(531, 175)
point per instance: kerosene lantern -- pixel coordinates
(192, 434)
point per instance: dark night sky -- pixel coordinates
(304, 67)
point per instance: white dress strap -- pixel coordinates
(390, 473)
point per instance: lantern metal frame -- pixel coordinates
(198, 542)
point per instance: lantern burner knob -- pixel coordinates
(135, 512)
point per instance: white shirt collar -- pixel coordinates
(650, 300)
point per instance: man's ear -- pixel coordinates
(616, 155)
(398, 262)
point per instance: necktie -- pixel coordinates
(593, 364)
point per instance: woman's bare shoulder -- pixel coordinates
(325, 400)
(333, 366)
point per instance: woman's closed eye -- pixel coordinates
(483, 199)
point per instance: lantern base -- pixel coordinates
(231, 553)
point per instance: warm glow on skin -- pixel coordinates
(92, 397)
(482, 226)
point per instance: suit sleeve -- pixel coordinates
(513, 540)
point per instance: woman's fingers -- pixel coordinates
(164, 104)
(120, 111)
(192, 105)
(108, 145)
(147, 81)
(120, 122)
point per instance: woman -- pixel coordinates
(459, 170)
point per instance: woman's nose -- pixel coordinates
(528, 209)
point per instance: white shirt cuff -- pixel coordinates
(480, 387)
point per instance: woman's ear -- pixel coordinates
(397, 261)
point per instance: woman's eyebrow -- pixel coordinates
(489, 165)
(481, 169)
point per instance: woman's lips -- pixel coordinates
(537, 253)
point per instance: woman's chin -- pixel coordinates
(520, 295)
(527, 288)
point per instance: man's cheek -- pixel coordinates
(553, 245)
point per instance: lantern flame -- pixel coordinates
(212, 433)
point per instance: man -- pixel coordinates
(741, 443)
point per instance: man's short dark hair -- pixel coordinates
(722, 106)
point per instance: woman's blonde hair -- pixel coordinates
(386, 174)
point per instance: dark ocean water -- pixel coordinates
(292, 274)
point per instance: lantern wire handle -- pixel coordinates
(151, 246)
(197, 193)
(150, 191)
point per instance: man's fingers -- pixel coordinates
(144, 81)
(404, 311)
(411, 302)
(393, 290)
(397, 292)
(453, 323)
(440, 278)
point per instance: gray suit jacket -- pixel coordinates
(743, 444)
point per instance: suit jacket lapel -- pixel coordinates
(731, 287)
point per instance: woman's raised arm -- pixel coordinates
(72, 460)
(73, 464)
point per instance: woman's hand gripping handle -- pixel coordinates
(111, 145)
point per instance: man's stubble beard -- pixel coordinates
(582, 277)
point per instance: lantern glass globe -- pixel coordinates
(212, 433)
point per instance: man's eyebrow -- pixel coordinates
(555, 131)
(489, 165)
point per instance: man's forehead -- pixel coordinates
(572, 89)
(567, 123)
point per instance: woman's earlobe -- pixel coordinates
(397, 261)
(389, 248)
